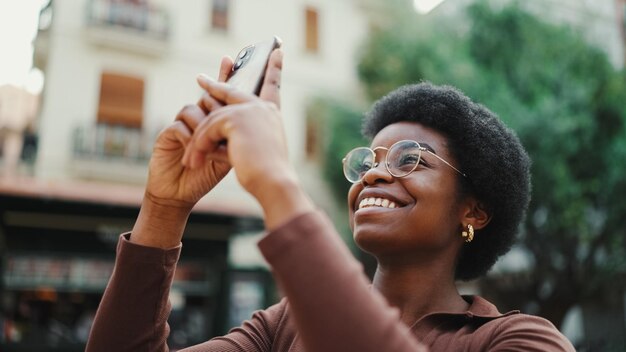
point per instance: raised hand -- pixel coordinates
(172, 189)
(248, 134)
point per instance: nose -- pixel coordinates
(378, 173)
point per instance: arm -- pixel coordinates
(330, 298)
(134, 309)
(133, 313)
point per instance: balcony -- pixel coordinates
(111, 153)
(140, 28)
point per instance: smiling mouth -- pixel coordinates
(377, 202)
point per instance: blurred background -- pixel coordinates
(86, 85)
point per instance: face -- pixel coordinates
(427, 211)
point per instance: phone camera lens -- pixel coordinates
(243, 53)
(237, 64)
(243, 57)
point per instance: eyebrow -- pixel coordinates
(427, 146)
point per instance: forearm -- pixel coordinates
(133, 313)
(331, 299)
(160, 224)
(283, 199)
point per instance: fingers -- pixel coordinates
(207, 103)
(226, 66)
(191, 115)
(207, 140)
(270, 90)
(179, 131)
(223, 92)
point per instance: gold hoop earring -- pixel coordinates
(469, 234)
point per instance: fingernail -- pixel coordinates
(202, 78)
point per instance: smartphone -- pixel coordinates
(249, 67)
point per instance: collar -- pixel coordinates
(479, 310)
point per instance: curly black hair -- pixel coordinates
(488, 152)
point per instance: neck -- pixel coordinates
(418, 289)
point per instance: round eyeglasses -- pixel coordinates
(402, 158)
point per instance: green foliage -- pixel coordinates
(565, 101)
(342, 132)
(573, 127)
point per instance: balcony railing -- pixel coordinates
(112, 153)
(128, 25)
(107, 142)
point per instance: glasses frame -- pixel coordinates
(375, 165)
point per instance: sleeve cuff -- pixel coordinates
(133, 252)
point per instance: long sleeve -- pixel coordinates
(133, 313)
(329, 295)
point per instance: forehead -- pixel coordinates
(412, 131)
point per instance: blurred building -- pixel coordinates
(116, 73)
(18, 111)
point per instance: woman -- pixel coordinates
(436, 198)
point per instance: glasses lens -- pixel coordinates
(403, 158)
(357, 163)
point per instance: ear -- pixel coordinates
(475, 213)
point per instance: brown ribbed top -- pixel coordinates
(329, 306)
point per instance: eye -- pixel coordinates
(410, 159)
(365, 166)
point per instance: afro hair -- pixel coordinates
(488, 152)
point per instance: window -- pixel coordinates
(312, 31)
(121, 100)
(312, 139)
(219, 15)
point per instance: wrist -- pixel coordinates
(160, 223)
(282, 199)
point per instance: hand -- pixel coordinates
(255, 146)
(172, 190)
(169, 182)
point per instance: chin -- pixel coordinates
(367, 240)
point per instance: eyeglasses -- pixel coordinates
(402, 158)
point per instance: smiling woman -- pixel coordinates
(436, 197)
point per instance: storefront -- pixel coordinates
(58, 252)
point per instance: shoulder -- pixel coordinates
(525, 332)
(513, 331)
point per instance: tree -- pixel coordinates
(573, 127)
(566, 102)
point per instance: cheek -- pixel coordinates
(353, 193)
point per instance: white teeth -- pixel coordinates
(379, 202)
